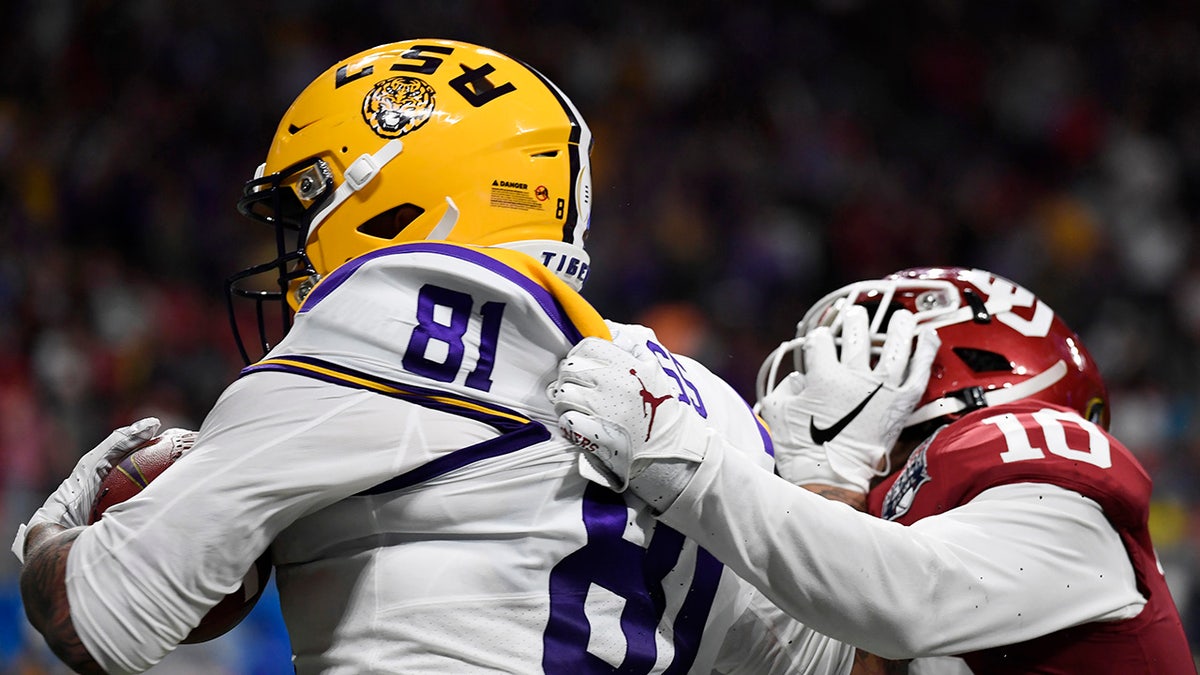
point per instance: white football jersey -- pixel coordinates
(398, 453)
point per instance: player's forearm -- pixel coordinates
(852, 577)
(44, 593)
(853, 498)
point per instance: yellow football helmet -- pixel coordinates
(420, 140)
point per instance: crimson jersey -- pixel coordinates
(1033, 442)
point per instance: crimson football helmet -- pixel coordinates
(411, 141)
(1000, 343)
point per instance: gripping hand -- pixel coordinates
(70, 503)
(633, 338)
(623, 412)
(836, 422)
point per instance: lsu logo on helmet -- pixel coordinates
(398, 105)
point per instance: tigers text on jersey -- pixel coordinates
(399, 455)
(1032, 442)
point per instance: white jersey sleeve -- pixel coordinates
(862, 580)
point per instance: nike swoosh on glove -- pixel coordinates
(624, 413)
(835, 423)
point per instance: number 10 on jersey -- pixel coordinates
(436, 349)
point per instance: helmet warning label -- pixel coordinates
(507, 194)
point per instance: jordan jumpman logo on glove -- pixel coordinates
(650, 402)
(603, 399)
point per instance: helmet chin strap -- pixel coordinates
(360, 172)
(949, 405)
(447, 222)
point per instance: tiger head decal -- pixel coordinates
(398, 105)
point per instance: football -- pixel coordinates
(131, 476)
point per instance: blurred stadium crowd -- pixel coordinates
(749, 157)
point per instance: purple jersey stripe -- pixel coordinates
(436, 399)
(517, 431)
(512, 441)
(544, 298)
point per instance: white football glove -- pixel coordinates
(70, 503)
(632, 338)
(834, 424)
(623, 412)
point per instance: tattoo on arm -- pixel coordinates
(44, 592)
(856, 499)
